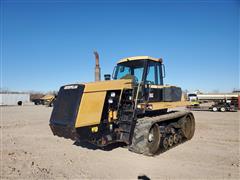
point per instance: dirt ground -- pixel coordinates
(30, 151)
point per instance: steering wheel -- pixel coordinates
(135, 79)
(150, 82)
(129, 76)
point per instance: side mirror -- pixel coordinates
(163, 71)
(113, 73)
(107, 77)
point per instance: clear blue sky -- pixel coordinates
(46, 44)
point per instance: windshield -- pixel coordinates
(131, 69)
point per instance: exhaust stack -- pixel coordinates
(97, 67)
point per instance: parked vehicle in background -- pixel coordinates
(13, 98)
(214, 102)
(47, 100)
(225, 105)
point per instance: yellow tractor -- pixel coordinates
(132, 108)
(48, 100)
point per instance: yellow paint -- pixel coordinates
(112, 115)
(134, 58)
(91, 106)
(47, 97)
(166, 105)
(94, 129)
(90, 110)
(108, 85)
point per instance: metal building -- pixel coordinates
(7, 99)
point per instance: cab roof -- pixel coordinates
(135, 58)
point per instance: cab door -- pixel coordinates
(153, 82)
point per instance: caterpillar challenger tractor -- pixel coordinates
(132, 108)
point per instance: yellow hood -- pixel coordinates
(108, 85)
(47, 97)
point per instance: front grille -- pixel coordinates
(66, 106)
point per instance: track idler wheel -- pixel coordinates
(188, 126)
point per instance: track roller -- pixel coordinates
(164, 143)
(180, 137)
(170, 140)
(175, 138)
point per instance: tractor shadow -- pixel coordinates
(113, 146)
(90, 146)
(143, 177)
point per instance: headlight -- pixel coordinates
(110, 101)
(130, 98)
(113, 94)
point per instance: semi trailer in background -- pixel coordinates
(215, 102)
(9, 99)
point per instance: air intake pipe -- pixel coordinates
(97, 67)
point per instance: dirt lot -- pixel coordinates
(29, 150)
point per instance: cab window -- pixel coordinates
(151, 73)
(130, 68)
(122, 71)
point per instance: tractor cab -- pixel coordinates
(147, 73)
(143, 69)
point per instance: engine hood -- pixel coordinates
(108, 85)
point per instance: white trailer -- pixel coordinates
(220, 96)
(222, 101)
(8, 99)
